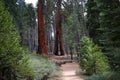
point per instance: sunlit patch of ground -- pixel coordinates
(68, 72)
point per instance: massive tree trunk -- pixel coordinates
(58, 38)
(42, 45)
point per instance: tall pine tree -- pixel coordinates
(12, 55)
(109, 19)
(93, 20)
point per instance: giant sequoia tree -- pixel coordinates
(58, 37)
(42, 48)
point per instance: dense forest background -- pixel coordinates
(89, 29)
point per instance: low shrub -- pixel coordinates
(112, 75)
(91, 59)
(114, 58)
(43, 67)
(96, 77)
(105, 76)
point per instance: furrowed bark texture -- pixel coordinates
(42, 45)
(58, 38)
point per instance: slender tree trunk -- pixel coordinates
(58, 38)
(42, 45)
(85, 31)
(71, 53)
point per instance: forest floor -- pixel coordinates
(68, 69)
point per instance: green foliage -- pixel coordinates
(43, 67)
(12, 8)
(73, 24)
(96, 77)
(112, 75)
(93, 20)
(24, 19)
(104, 22)
(71, 32)
(12, 55)
(105, 76)
(23, 69)
(91, 58)
(109, 23)
(109, 40)
(114, 59)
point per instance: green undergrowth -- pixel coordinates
(91, 58)
(105, 76)
(44, 68)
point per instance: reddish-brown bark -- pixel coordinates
(42, 48)
(58, 38)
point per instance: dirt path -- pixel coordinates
(68, 71)
(68, 68)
